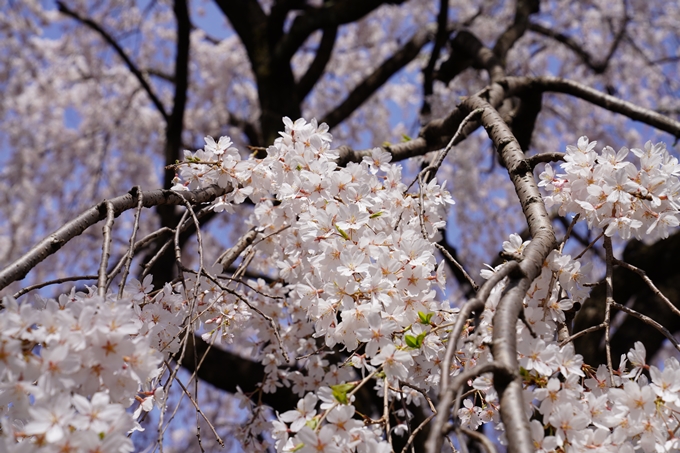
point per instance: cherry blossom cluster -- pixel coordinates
(350, 244)
(573, 407)
(612, 193)
(70, 368)
(352, 256)
(354, 248)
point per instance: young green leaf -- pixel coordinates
(340, 392)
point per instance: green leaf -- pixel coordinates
(405, 138)
(411, 341)
(340, 392)
(342, 233)
(375, 214)
(415, 342)
(313, 423)
(425, 318)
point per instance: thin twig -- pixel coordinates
(349, 395)
(430, 171)
(608, 303)
(649, 282)
(459, 266)
(481, 439)
(121, 53)
(106, 251)
(647, 320)
(198, 410)
(229, 256)
(569, 229)
(178, 251)
(269, 319)
(53, 282)
(582, 333)
(415, 432)
(589, 246)
(386, 410)
(161, 252)
(149, 238)
(131, 251)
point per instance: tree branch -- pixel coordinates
(243, 373)
(329, 15)
(523, 9)
(175, 122)
(121, 53)
(316, 69)
(440, 40)
(598, 67)
(377, 78)
(504, 346)
(55, 241)
(248, 20)
(467, 50)
(522, 85)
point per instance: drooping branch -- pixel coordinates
(377, 78)
(446, 389)
(55, 241)
(504, 346)
(522, 85)
(121, 53)
(659, 263)
(436, 133)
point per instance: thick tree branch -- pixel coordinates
(242, 373)
(175, 126)
(377, 78)
(448, 388)
(55, 241)
(433, 136)
(248, 20)
(277, 17)
(523, 9)
(504, 347)
(598, 67)
(467, 50)
(316, 69)
(438, 132)
(331, 14)
(121, 53)
(248, 129)
(439, 41)
(524, 85)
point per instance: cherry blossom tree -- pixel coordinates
(322, 259)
